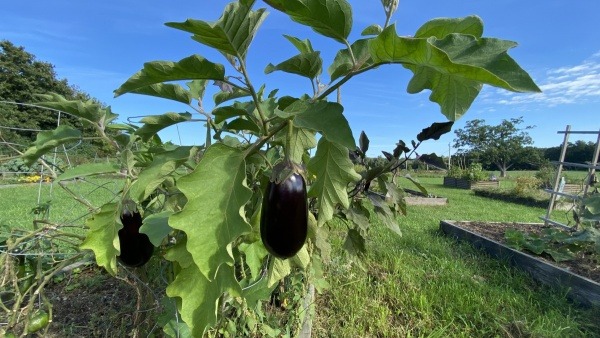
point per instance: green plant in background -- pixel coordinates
(527, 186)
(201, 205)
(473, 173)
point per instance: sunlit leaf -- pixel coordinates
(170, 91)
(156, 226)
(334, 172)
(154, 124)
(231, 34)
(212, 218)
(372, 30)
(331, 18)
(193, 67)
(308, 65)
(48, 140)
(90, 110)
(453, 68)
(199, 296)
(102, 237)
(322, 116)
(88, 169)
(255, 253)
(343, 64)
(441, 27)
(303, 46)
(161, 167)
(221, 97)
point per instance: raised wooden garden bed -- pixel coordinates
(464, 184)
(416, 200)
(580, 289)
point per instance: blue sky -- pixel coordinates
(97, 45)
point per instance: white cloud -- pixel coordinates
(564, 85)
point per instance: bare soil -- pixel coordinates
(585, 264)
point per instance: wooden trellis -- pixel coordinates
(556, 191)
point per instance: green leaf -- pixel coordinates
(255, 253)
(190, 68)
(156, 226)
(154, 124)
(231, 34)
(170, 91)
(279, 270)
(161, 167)
(308, 65)
(373, 29)
(223, 113)
(343, 64)
(212, 218)
(440, 27)
(173, 326)
(354, 243)
(242, 124)
(48, 140)
(90, 110)
(102, 237)
(303, 46)
(257, 291)
(453, 68)
(331, 18)
(300, 141)
(383, 212)
(199, 296)
(197, 89)
(322, 116)
(88, 169)
(334, 172)
(359, 216)
(221, 97)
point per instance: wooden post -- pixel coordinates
(558, 172)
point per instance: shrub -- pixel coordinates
(526, 185)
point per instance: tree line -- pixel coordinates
(22, 78)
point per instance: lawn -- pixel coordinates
(421, 284)
(424, 284)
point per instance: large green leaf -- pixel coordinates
(193, 67)
(102, 237)
(331, 18)
(199, 296)
(170, 91)
(48, 140)
(161, 167)
(154, 124)
(441, 27)
(322, 116)
(88, 169)
(221, 97)
(334, 172)
(212, 218)
(89, 110)
(308, 65)
(156, 226)
(231, 34)
(453, 68)
(301, 140)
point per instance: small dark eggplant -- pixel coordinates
(284, 216)
(136, 248)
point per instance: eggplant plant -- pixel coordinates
(253, 204)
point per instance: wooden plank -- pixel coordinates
(581, 290)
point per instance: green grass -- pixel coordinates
(426, 285)
(19, 200)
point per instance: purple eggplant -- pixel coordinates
(136, 248)
(284, 216)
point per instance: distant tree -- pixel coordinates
(22, 76)
(577, 152)
(502, 145)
